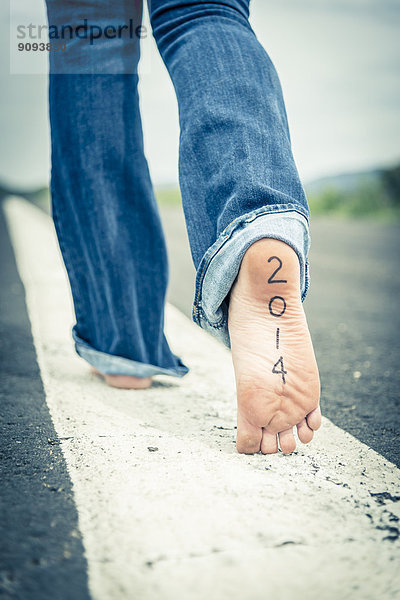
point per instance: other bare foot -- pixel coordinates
(125, 382)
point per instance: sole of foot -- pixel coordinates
(124, 382)
(277, 380)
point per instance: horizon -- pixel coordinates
(173, 185)
(341, 97)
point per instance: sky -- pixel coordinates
(339, 65)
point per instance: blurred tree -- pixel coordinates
(391, 183)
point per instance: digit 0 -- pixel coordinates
(275, 311)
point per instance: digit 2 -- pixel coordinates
(279, 267)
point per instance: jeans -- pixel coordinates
(237, 176)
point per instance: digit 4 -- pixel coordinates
(281, 371)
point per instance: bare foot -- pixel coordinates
(125, 382)
(277, 379)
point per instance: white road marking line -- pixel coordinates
(194, 519)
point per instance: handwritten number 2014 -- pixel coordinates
(277, 307)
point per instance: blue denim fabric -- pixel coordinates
(238, 179)
(99, 37)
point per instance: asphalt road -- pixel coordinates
(40, 546)
(354, 316)
(114, 495)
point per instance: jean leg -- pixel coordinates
(108, 224)
(238, 178)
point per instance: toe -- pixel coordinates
(304, 432)
(287, 441)
(249, 437)
(314, 419)
(269, 443)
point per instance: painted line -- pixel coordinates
(167, 508)
(35, 559)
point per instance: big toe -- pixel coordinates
(248, 440)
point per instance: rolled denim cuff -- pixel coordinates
(220, 264)
(118, 365)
